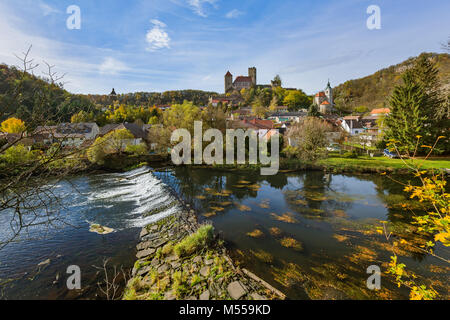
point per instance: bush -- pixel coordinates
(351, 155)
(137, 150)
(195, 241)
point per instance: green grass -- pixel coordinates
(195, 242)
(382, 162)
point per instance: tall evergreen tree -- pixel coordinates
(426, 74)
(408, 115)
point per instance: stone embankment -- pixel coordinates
(176, 260)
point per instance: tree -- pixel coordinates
(310, 138)
(81, 116)
(276, 82)
(182, 116)
(273, 104)
(112, 143)
(296, 99)
(313, 111)
(258, 109)
(214, 118)
(408, 114)
(159, 138)
(13, 125)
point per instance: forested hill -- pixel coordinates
(149, 99)
(36, 100)
(373, 91)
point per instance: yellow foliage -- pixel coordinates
(13, 125)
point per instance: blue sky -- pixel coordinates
(158, 45)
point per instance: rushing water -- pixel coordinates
(309, 234)
(117, 201)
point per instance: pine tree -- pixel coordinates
(426, 74)
(408, 115)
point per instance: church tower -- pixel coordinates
(228, 82)
(329, 93)
(252, 74)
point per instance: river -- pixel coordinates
(310, 234)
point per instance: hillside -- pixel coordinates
(373, 91)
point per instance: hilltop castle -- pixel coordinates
(241, 82)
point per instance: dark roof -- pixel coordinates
(243, 79)
(228, 74)
(135, 129)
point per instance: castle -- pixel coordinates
(324, 100)
(241, 82)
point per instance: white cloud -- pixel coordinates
(234, 14)
(46, 9)
(198, 6)
(157, 38)
(112, 66)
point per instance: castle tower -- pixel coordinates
(228, 82)
(252, 74)
(329, 93)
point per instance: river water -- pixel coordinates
(310, 234)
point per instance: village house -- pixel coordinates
(281, 117)
(138, 132)
(264, 128)
(76, 134)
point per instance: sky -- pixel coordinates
(160, 45)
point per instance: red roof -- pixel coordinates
(320, 94)
(382, 110)
(228, 74)
(325, 102)
(243, 79)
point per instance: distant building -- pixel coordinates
(241, 82)
(137, 131)
(282, 117)
(380, 112)
(324, 100)
(76, 134)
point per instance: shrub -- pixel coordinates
(137, 150)
(351, 155)
(195, 241)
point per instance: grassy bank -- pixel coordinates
(337, 164)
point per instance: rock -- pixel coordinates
(236, 290)
(144, 270)
(144, 245)
(154, 228)
(204, 271)
(209, 262)
(171, 258)
(197, 259)
(205, 295)
(44, 263)
(176, 265)
(144, 232)
(169, 296)
(192, 298)
(145, 253)
(163, 268)
(256, 296)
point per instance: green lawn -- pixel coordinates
(382, 162)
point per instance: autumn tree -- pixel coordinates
(13, 125)
(310, 138)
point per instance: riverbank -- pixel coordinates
(180, 259)
(336, 164)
